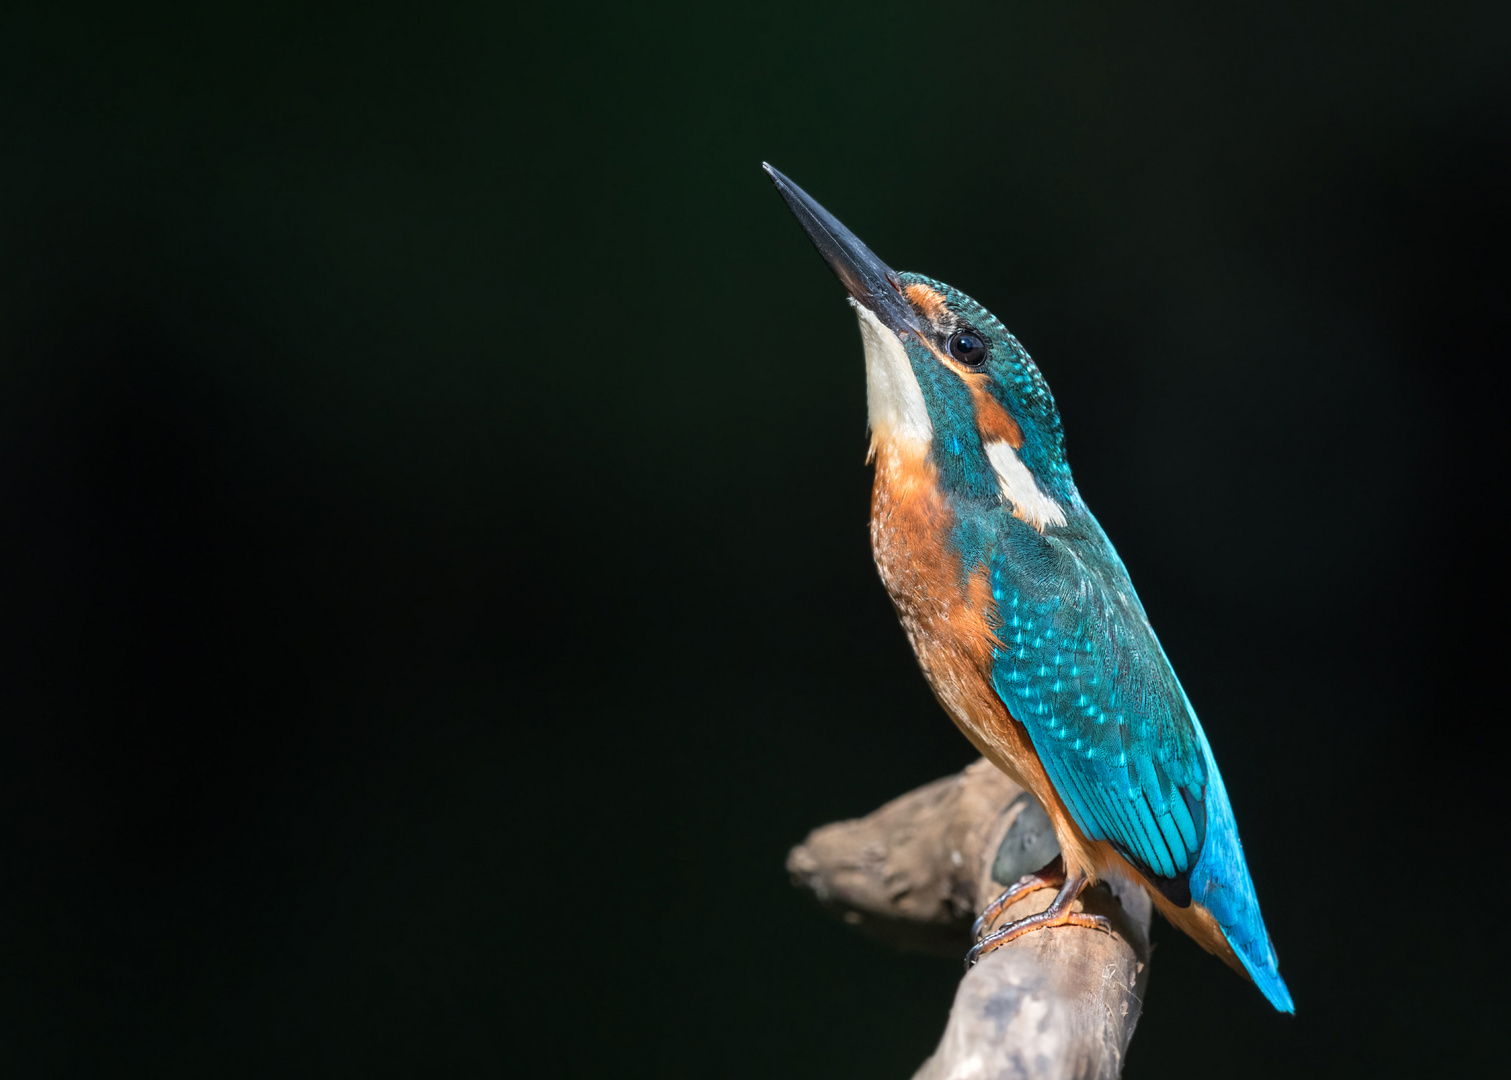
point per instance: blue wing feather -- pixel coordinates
(1079, 666)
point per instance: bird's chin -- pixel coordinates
(895, 406)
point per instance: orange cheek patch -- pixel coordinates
(992, 420)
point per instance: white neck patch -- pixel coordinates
(894, 401)
(1019, 489)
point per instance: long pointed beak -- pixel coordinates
(869, 280)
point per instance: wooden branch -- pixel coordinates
(1057, 1003)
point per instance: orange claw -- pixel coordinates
(1051, 876)
(1061, 912)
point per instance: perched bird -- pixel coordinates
(1023, 618)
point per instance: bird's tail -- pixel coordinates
(1220, 883)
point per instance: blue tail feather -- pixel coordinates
(1220, 883)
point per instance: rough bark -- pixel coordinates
(1056, 1003)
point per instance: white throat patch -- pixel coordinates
(894, 401)
(1019, 489)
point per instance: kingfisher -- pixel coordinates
(1024, 620)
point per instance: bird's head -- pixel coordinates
(945, 380)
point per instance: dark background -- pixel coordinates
(432, 513)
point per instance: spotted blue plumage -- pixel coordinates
(1076, 661)
(1079, 666)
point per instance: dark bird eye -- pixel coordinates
(967, 348)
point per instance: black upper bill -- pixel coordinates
(870, 281)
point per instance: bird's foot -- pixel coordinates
(1061, 912)
(1050, 877)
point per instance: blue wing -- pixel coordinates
(1080, 668)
